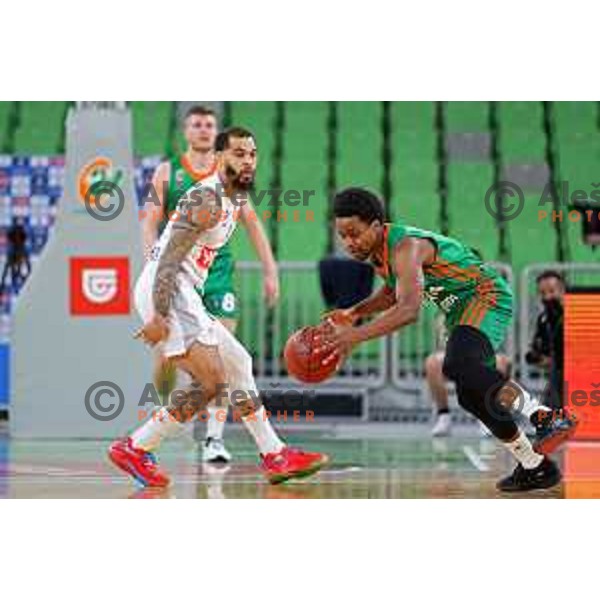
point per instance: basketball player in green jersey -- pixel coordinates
(170, 181)
(419, 265)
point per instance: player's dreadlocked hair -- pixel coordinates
(358, 202)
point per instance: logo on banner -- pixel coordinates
(96, 172)
(99, 286)
(99, 189)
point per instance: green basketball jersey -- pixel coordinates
(183, 176)
(456, 276)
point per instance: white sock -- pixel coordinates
(523, 451)
(158, 427)
(262, 431)
(217, 415)
(526, 404)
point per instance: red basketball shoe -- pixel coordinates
(138, 463)
(552, 429)
(291, 463)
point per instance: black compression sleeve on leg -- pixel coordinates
(468, 355)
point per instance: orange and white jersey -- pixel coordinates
(197, 263)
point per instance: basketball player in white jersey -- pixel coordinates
(170, 181)
(175, 320)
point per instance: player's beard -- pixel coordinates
(243, 184)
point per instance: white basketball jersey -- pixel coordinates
(197, 263)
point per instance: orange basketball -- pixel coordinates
(301, 360)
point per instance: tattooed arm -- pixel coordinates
(202, 213)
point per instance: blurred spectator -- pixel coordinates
(344, 282)
(546, 350)
(17, 257)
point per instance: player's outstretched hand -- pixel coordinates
(153, 331)
(333, 342)
(271, 289)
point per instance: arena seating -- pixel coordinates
(521, 132)
(468, 177)
(40, 128)
(304, 169)
(467, 117)
(6, 113)
(152, 127)
(467, 186)
(295, 153)
(577, 155)
(531, 240)
(522, 142)
(29, 190)
(359, 139)
(414, 168)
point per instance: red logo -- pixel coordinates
(99, 285)
(204, 257)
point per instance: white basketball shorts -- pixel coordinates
(189, 321)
